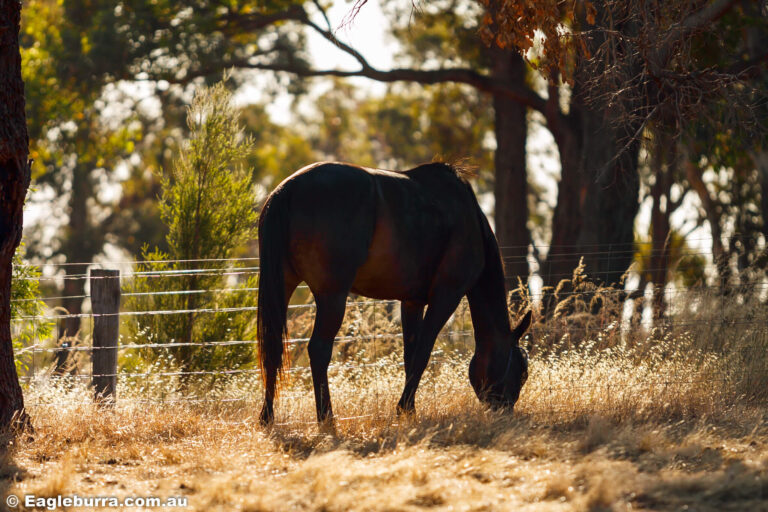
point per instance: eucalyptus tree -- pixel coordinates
(14, 181)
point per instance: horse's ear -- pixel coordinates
(523, 326)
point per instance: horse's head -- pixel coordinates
(498, 377)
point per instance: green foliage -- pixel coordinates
(87, 128)
(70, 52)
(406, 127)
(280, 150)
(25, 302)
(209, 207)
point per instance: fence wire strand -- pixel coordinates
(228, 267)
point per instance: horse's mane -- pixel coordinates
(462, 169)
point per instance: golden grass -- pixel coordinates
(612, 418)
(596, 432)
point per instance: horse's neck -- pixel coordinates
(488, 307)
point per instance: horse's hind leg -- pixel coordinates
(330, 314)
(267, 414)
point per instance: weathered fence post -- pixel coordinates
(105, 302)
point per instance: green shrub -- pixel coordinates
(209, 206)
(25, 302)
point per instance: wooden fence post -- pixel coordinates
(105, 302)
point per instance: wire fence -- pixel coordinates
(47, 358)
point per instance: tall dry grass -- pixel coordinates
(613, 417)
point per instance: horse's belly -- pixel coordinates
(396, 268)
(381, 286)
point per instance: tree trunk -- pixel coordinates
(597, 197)
(81, 244)
(563, 255)
(599, 185)
(14, 182)
(611, 186)
(511, 185)
(660, 224)
(719, 255)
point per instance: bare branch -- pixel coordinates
(325, 15)
(352, 14)
(693, 22)
(467, 76)
(235, 22)
(327, 34)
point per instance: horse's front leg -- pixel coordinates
(439, 309)
(411, 317)
(330, 314)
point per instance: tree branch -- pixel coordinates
(254, 21)
(693, 173)
(694, 21)
(327, 34)
(467, 76)
(325, 15)
(458, 75)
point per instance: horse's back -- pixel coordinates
(422, 215)
(331, 222)
(381, 233)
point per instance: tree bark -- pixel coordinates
(563, 255)
(599, 174)
(608, 219)
(597, 197)
(511, 184)
(660, 224)
(14, 182)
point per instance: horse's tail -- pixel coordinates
(272, 308)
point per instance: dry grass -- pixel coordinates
(610, 419)
(590, 433)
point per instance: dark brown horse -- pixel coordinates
(418, 236)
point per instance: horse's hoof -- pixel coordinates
(405, 411)
(327, 426)
(266, 417)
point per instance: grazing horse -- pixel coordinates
(417, 236)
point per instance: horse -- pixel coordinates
(417, 236)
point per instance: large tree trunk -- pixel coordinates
(599, 186)
(612, 185)
(597, 198)
(511, 185)
(14, 182)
